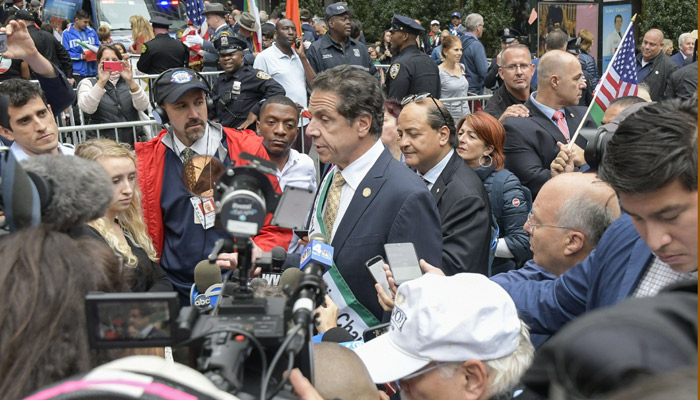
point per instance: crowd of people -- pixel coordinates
(524, 228)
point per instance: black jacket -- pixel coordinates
(52, 49)
(162, 53)
(661, 69)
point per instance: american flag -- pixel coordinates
(621, 77)
(194, 10)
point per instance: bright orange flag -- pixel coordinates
(292, 13)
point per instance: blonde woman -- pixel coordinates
(122, 227)
(141, 32)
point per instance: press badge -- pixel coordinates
(236, 87)
(204, 210)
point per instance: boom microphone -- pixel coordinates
(73, 190)
(207, 285)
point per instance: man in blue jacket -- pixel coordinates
(651, 162)
(474, 54)
(81, 32)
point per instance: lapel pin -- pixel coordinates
(366, 192)
(571, 115)
(437, 190)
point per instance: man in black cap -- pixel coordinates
(509, 37)
(336, 47)
(413, 71)
(163, 52)
(216, 20)
(239, 92)
(182, 232)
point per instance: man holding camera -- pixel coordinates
(182, 232)
(241, 89)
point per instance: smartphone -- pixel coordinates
(374, 266)
(375, 331)
(287, 214)
(112, 66)
(3, 42)
(301, 233)
(403, 262)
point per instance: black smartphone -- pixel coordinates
(301, 233)
(403, 262)
(3, 42)
(375, 331)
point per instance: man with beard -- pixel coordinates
(240, 90)
(183, 232)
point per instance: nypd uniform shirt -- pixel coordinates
(412, 72)
(162, 53)
(326, 53)
(242, 92)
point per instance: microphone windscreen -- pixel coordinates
(337, 335)
(279, 254)
(81, 189)
(290, 277)
(206, 274)
(319, 237)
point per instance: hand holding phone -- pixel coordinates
(375, 267)
(110, 66)
(3, 42)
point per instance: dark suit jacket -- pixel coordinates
(465, 213)
(661, 70)
(398, 208)
(531, 144)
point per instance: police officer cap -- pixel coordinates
(405, 24)
(508, 35)
(161, 22)
(229, 44)
(337, 9)
(174, 83)
(573, 46)
(214, 8)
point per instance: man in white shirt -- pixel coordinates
(286, 65)
(614, 38)
(30, 122)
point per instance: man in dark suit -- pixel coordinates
(428, 137)
(533, 142)
(653, 66)
(368, 198)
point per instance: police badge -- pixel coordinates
(356, 52)
(394, 70)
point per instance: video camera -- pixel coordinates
(597, 140)
(223, 336)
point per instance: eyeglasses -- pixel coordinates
(532, 225)
(511, 68)
(424, 371)
(420, 97)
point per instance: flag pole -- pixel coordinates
(602, 79)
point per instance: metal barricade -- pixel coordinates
(78, 134)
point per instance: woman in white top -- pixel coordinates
(453, 83)
(112, 96)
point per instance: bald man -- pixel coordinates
(531, 142)
(340, 374)
(653, 66)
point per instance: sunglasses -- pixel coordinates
(420, 97)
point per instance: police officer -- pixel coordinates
(218, 28)
(336, 47)
(412, 71)
(163, 52)
(241, 89)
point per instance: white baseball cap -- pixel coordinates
(445, 319)
(434, 22)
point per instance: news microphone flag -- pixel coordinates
(319, 253)
(620, 79)
(194, 10)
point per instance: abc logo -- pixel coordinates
(201, 301)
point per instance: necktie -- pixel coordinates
(187, 154)
(332, 203)
(561, 123)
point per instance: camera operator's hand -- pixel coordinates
(302, 386)
(327, 315)
(230, 260)
(564, 162)
(303, 241)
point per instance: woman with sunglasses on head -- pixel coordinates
(453, 82)
(481, 139)
(122, 227)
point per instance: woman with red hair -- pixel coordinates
(481, 139)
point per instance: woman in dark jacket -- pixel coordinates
(112, 96)
(587, 61)
(481, 139)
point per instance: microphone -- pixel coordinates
(271, 263)
(289, 279)
(279, 255)
(316, 259)
(59, 191)
(207, 285)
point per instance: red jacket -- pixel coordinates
(151, 161)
